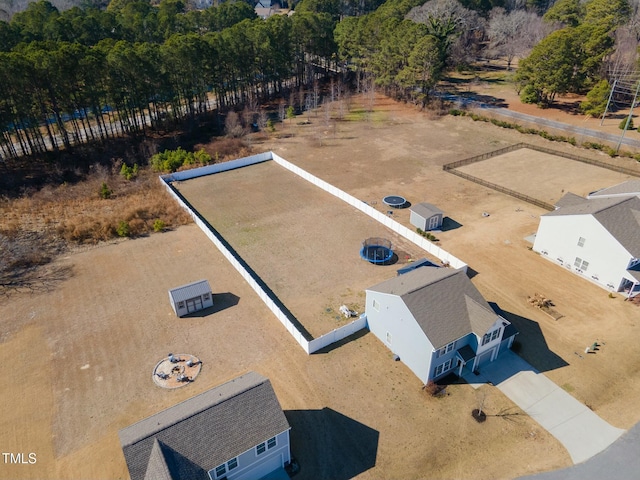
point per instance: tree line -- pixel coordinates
(91, 74)
(116, 72)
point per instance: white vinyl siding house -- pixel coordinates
(437, 320)
(598, 239)
(191, 297)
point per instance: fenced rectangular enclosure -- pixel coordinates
(298, 243)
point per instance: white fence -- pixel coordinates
(410, 235)
(338, 334)
(269, 299)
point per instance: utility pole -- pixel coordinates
(626, 125)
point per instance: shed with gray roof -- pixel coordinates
(597, 238)
(191, 297)
(426, 216)
(432, 318)
(234, 431)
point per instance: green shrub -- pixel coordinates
(172, 160)
(158, 225)
(529, 95)
(123, 229)
(270, 126)
(623, 124)
(105, 192)
(128, 172)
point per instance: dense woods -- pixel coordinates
(89, 74)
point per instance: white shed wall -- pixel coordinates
(557, 240)
(408, 341)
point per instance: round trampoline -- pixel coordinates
(395, 201)
(376, 250)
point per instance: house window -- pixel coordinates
(495, 334)
(581, 264)
(443, 367)
(446, 349)
(581, 242)
(264, 446)
(486, 338)
(376, 305)
(221, 470)
(388, 338)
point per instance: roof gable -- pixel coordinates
(443, 301)
(630, 187)
(206, 430)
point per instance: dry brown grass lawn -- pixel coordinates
(86, 348)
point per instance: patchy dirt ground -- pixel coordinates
(86, 350)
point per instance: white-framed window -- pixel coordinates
(221, 470)
(495, 334)
(446, 349)
(264, 446)
(443, 367)
(233, 463)
(581, 264)
(581, 241)
(389, 338)
(376, 305)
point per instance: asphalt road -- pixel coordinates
(579, 133)
(621, 461)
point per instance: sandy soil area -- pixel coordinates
(86, 350)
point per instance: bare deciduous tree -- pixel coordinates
(513, 34)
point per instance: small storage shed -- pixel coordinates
(191, 297)
(426, 216)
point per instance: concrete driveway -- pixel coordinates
(580, 430)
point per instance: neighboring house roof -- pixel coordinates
(195, 436)
(619, 215)
(191, 290)
(443, 301)
(569, 200)
(426, 210)
(630, 187)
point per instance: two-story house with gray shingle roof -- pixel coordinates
(597, 238)
(437, 322)
(234, 431)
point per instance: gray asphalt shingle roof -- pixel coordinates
(630, 187)
(443, 301)
(189, 291)
(425, 210)
(193, 437)
(619, 215)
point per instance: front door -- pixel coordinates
(194, 304)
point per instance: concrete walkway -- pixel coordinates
(580, 430)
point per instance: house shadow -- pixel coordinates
(221, 301)
(329, 445)
(449, 223)
(471, 272)
(531, 344)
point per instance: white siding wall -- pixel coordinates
(408, 341)
(493, 346)
(558, 237)
(252, 466)
(418, 221)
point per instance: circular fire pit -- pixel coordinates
(176, 370)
